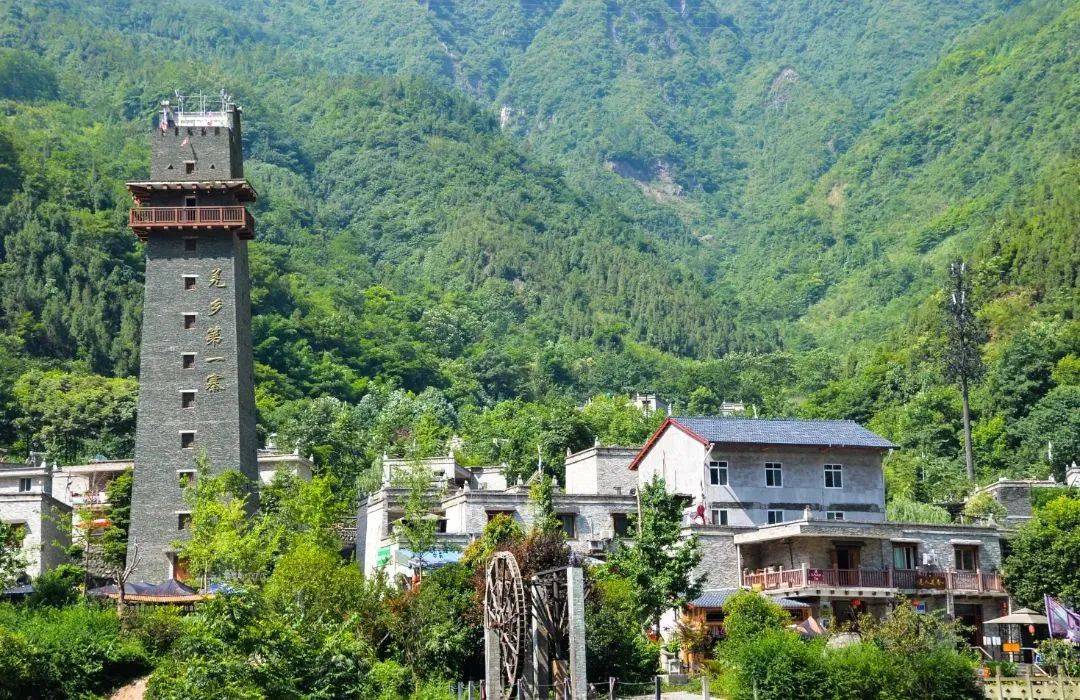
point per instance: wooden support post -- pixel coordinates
(656, 682)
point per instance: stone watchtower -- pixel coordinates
(196, 383)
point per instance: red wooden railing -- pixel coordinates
(903, 579)
(190, 216)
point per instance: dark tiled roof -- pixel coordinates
(715, 597)
(764, 431)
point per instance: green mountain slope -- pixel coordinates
(448, 266)
(973, 136)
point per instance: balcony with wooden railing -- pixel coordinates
(898, 579)
(144, 220)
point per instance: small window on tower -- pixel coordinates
(189, 245)
(189, 283)
(183, 521)
(187, 360)
(187, 399)
(189, 166)
(187, 439)
(189, 322)
(186, 478)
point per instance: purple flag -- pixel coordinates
(1063, 622)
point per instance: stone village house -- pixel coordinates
(56, 506)
(794, 508)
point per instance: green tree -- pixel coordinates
(74, 416)
(615, 645)
(417, 527)
(983, 505)
(660, 563)
(748, 614)
(542, 501)
(615, 420)
(963, 362)
(114, 538)
(1045, 555)
(226, 541)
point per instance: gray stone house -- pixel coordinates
(796, 509)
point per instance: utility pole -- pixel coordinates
(963, 364)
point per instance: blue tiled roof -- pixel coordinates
(765, 431)
(715, 597)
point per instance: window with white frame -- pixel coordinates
(834, 476)
(775, 516)
(25, 484)
(719, 516)
(834, 515)
(774, 474)
(718, 473)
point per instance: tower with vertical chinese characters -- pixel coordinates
(196, 383)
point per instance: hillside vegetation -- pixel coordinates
(474, 216)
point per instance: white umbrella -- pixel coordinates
(1023, 616)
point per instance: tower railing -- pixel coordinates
(232, 217)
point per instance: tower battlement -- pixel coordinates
(194, 142)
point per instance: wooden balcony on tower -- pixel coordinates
(145, 220)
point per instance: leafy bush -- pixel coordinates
(57, 587)
(904, 510)
(19, 673)
(1058, 653)
(615, 645)
(75, 651)
(748, 614)
(775, 665)
(157, 627)
(235, 646)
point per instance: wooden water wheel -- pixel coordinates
(505, 612)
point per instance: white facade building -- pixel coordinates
(796, 508)
(594, 508)
(42, 521)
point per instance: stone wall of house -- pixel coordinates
(213, 151)
(601, 470)
(719, 557)
(48, 532)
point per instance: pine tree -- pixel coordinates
(963, 363)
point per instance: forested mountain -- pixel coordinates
(474, 215)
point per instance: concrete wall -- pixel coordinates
(604, 470)
(682, 461)
(678, 459)
(48, 531)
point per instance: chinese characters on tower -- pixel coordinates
(213, 333)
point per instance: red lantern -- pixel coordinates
(856, 603)
(1031, 629)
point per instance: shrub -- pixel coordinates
(615, 645)
(1058, 653)
(19, 672)
(861, 671)
(77, 650)
(748, 614)
(57, 587)
(156, 626)
(774, 665)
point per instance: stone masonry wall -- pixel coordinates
(224, 420)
